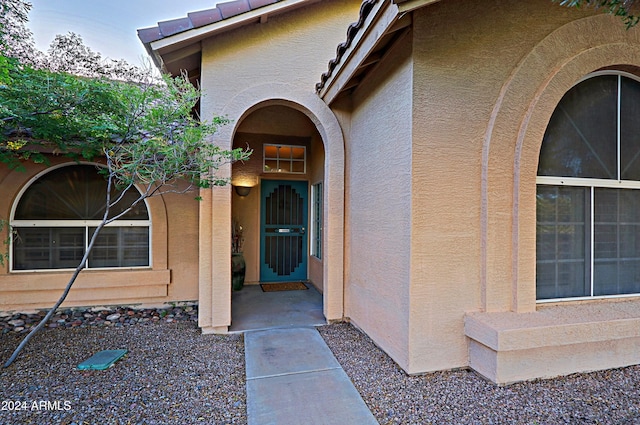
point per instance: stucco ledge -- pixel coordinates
(28, 291)
(555, 340)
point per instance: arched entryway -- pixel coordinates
(277, 219)
(295, 138)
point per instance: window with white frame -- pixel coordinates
(284, 159)
(56, 215)
(316, 220)
(588, 197)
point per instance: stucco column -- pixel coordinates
(204, 260)
(215, 257)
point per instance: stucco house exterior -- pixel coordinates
(457, 177)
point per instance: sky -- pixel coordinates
(107, 26)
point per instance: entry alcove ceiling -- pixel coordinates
(277, 120)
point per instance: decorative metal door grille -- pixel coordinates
(284, 231)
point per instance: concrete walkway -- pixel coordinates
(293, 378)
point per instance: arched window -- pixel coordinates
(588, 202)
(56, 215)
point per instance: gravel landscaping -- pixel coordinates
(173, 374)
(463, 397)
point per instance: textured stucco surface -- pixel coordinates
(554, 340)
(275, 63)
(171, 277)
(429, 170)
(378, 214)
(482, 89)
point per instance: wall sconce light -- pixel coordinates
(243, 190)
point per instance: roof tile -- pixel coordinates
(201, 18)
(365, 9)
(233, 8)
(174, 26)
(255, 4)
(205, 17)
(147, 35)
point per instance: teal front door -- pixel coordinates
(283, 231)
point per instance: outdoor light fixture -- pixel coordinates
(243, 190)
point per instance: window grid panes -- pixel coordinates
(289, 159)
(588, 202)
(57, 214)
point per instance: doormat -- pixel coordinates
(102, 360)
(283, 286)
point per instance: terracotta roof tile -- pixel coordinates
(174, 26)
(255, 4)
(147, 35)
(205, 17)
(201, 18)
(234, 8)
(365, 9)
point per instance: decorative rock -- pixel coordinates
(9, 321)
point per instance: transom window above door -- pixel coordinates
(588, 192)
(290, 159)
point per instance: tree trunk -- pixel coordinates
(46, 318)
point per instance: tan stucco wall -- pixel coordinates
(173, 276)
(530, 94)
(316, 175)
(293, 49)
(378, 214)
(277, 62)
(457, 80)
(482, 90)
(488, 107)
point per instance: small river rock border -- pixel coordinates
(96, 316)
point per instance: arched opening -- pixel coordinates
(216, 214)
(277, 217)
(514, 136)
(588, 203)
(55, 216)
(576, 336)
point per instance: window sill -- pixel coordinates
(555, 340)
(39, 289)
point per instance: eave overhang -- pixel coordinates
(381, 24)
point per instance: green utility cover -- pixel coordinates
(102, 360)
